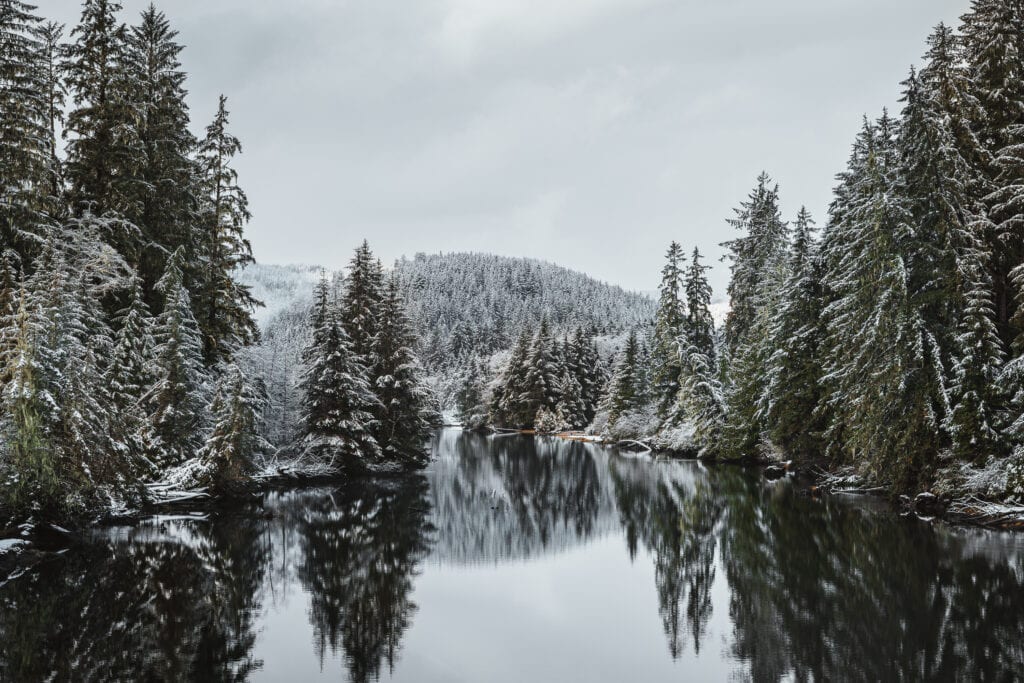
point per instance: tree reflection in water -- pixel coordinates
(764, 583)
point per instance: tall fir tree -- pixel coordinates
(626, 390)
(753, 255)
(792, 393)
(404, 423)
(104, 152)
(26, 197)
(506, 405)
(541, 377)
(226, 305)
(163, 199)
(226, 459)
(177, 397)
(992, 45)
(668, 331)
(885, 368)
(364, 289)
(699, 326)
(339, 405)
(129, 375)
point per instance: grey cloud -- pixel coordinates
(586, 132)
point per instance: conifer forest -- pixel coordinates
(441, 467)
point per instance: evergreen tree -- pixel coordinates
(885, 369)
(338, 422)
(571, 410)
(364, 290)
(993, 48)
(55, 93)
(626, 391)
(590, 373)
(791, 396)
(25, 184)
(974, 423)
(162, 203)
(226, 457)
(129, 374)
(541, 377)
(699, 327)
(177, 397)
(10, 302)
(104, 152)
(701, 402)
(506, 406)
(753, 256)
(27, 447)
(226, 304)
(404, 418)
(472, 398)
(668, 330)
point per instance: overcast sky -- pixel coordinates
(585, 132)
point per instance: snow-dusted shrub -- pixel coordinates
(678, 438)
(548, 421)
(635, 424)
(600, 424)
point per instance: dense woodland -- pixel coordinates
(893, 340)
(126, 341)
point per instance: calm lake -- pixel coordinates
(522, 559)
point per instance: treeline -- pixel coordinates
(125, 338)
(548, 383)
(468, 305)
(120, 320)
(894, 340)
(365, 404)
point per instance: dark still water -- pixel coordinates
(516, 559)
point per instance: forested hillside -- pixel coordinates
(463, 309)
(468, 305)
(889, 344)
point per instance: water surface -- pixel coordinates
(521, 559)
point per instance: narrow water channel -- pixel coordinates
(521, 559)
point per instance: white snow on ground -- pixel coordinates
(11, 544)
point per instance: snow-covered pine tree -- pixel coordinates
(668, 331)
(590, 373)
(541, 378)
(701, 401)
(129, 374)
(226, 459)
(404, 419)
(26, 201)
(177, 398)
(753, 255)
(699, 326)
(473, 398)
(570, 410)
(885, 371)
(54, 92)
(949, 259)
(977, 376)
(364, 290)
(506, 408)
(163, 200)
(758, 271)
(27, 452)
(10, 302)
(104, 152)
(626, 390)
(992, 44)
(339, 405)
(792, 392)
(225, 305)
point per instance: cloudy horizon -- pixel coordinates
(588, 133)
